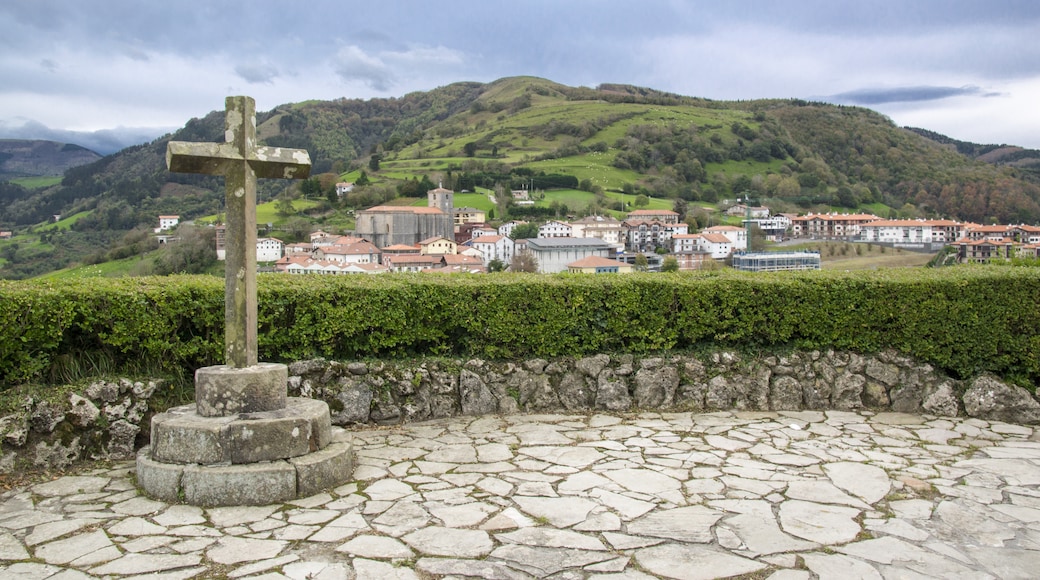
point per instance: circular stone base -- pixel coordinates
(181, 435)
(262, 483)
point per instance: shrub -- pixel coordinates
(963, 321)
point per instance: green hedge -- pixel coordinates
(962, 320)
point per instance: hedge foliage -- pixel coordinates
(962, 320)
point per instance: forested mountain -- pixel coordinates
(32, 158)
(611, 138)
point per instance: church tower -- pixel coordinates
(442, 199)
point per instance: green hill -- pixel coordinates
(583, 148)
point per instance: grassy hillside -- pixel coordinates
(587, 149)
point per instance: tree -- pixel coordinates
(680, 207)
(193, 254)
(670, 264)
(642, 200)
(284, 204)
(496, 265)
(524, 231)
(470, 149)
(641, 263)
(362, 179)
(373, 162)
(523, 261)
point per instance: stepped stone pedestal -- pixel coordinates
(243, 442)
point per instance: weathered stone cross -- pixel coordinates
(241, 162)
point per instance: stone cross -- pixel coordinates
(241, 162)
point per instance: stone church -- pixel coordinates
(387, 225)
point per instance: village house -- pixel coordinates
(718, 246)
(269, 249)
(167, 222)
(603, 228)
(307, 265)
(555, 229)
(482, 231)
(349, 251)
(842, 226)
(493, 248)
(694, 260)
(598, 265)
(299, 249)
(468, 215)
(773, 228)
(343, 188)
(983, 250)
(412, 262)
(647, 236)
(398, 249)
(506, 229)
(460, 264)
(736, 236)
(6, 235)
(648, 215)
(741, 210)
(438, 245)
(911, 231)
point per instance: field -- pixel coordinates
(37, 182)
(64, 223)
(850, 256)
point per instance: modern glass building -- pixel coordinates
(776, 261)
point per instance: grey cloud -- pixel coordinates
(257, 72)
(105, 142)
(354, 64)
(881, 96)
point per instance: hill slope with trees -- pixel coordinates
(525, 131)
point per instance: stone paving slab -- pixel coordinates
(784, 496)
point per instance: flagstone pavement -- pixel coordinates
(784, 496)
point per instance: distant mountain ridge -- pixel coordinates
(38, 158)
(1010, 155)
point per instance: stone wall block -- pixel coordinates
(847, 393)
(942, 399)
(886, 374)
(655, 384)
(353, 403)
(991, 399)
(82, 412)
(591, 366)
(475, 396)
(576, 391)
(612, 393)
(726, 392)
(785, 394)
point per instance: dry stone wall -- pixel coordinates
(110, 419)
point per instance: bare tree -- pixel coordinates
(523, 261)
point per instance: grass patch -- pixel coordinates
(38, 182)
(65, 223)
(860, 256)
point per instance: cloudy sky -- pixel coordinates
(123, 71)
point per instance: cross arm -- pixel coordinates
(205, 158)
(281, 163)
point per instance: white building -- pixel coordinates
(494, 248)
(167, 222)
(506, 229)
(718, 245)
(553, 254)
(736, 236)
(555, 229)
(911, 231)
(269, 249)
